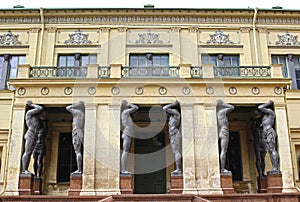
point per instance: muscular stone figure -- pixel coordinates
(223, 129)
(174, 134)
(269, 134)
(77, 110)
(32, 118)
(126, 110)
(259, 145)
(40, 148)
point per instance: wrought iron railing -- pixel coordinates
(169, 71)
(58, 72)
(196, 72)
(103, 72)
(242, 71)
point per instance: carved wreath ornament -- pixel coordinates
(78, 38)
(9, 39)
(219, 38)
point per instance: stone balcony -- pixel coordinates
(119, 71)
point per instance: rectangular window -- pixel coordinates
(220, 59)
(9, 68)
(76, 61)
(290, 67)
(149, 60)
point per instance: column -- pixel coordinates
(89, 155)
(175, 40)
(50, 46)
(104, 41)
(188, 150)
(246, 59)
(33, 46)
(283, 145)
(263, 46)
(15, 150)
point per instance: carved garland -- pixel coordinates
(287, 40)
(78, 38)
(219, 38)
(9, 39)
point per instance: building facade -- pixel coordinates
(149, 57)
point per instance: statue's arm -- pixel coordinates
(263, 108)
(132, 108)
(36, 109)
(168, 107)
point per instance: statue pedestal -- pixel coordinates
(274, 182)
(126, 184)
(226, 183)
(176, 184)
(75, 184)
(261, 185)
(37, 186)
(26, 184)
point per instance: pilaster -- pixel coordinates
(89, 152)
(284, 148)
(245, 40)
(33, 46)
(15, 152)
(50, 46)
(175, 40)
(188, 150)
(263, 46)
(104, 41)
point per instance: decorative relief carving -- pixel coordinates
(104, 29)
(193, 29)
(186, 90)
(68, 91)
(209, 90)
(232, 90)
(78, 38)
(245, 29)
(139, 90)
(9, 39)
(255, 90)
(287, 40)
(45, 91)
(52, 29)
(149, 37)
(92, 90)
(21, 91)
(162, 91)
(34, 30)
(115, 90)
(175, 29)
(219, 38)
(278, 90)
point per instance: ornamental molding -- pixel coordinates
(124, 19)
(287, 40)
(245, 30)
(9, 39)
(78, 38)
(219, 38)
(104, 29)
(262, 30)
(175, 29)
(52, 29)
(193, 29)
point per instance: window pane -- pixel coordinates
(70, 61)
(84, 60)
(13, 67)
(227, 60)
(142, 61)
(205, 59)
(62, 61)
(274, 60)
(1, 69)
(156, 60)
(22, 60)
(235, 61)
(296, 61)
(133, 61)
(93, 59)
(165, 60)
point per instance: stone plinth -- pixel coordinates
(261, 185)
(37, 186)
(75, 184)
(274, 182)
(176, 184)
(226, 183)
(26, 184)
(126, 184)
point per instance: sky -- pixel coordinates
(286, 4)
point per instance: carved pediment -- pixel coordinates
(219, 38)
(287, 40)
(9, 39)
(78, 38)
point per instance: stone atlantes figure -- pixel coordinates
(126, 110)
(223, 130)
(259, 145)
(40, 148)
(269, 134)
(174, 134)
(32, 119)
(78, 112)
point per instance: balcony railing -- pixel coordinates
(141, 72)
(58, 72)
(103, 72)
(242, 71)
(196, 72)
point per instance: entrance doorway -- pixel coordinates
(149, 151)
